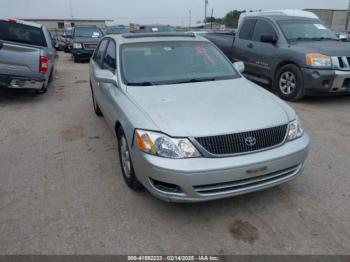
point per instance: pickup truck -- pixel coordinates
(83, 42)
(295, 54)
(27, 55)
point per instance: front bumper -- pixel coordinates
(203, 179)
(82, 53)
(9, 81)
(326, 81)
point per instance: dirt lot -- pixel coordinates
(62, 192)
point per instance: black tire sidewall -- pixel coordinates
(131, 181)
(299, 89)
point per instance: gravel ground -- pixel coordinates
(62, 191)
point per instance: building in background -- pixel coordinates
(333, 18)
(54, 24)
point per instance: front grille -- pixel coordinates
(90, 46)
(243, 184)
(341, 62)
(238, 144)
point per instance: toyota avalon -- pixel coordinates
(189, 126)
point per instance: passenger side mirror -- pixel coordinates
(268, 39)
(106, 76)
(239, 66)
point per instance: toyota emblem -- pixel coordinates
(250, 141)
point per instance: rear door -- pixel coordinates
(20, 48)
(263, 53)
(243, 44)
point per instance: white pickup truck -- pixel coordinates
(27, 55)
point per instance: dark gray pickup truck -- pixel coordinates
(297, 56)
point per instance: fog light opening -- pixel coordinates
(166, 187)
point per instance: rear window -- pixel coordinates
(247, 29)
(20, 33)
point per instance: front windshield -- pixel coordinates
(306, 30)
(158, 63)
(87, 32)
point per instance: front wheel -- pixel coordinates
(97, 109)
(289, 83)
(126, 162)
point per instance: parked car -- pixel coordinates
(117, 30)
(198, 33)
(155, 29)
(84, 41)
(64, 40)
(27, 55)
(189, 126)
(343, 36)
(55, 35)
(292, 51)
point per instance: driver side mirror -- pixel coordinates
(106, 76)
(239, 66)
(268, 39)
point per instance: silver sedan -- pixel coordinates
(189, 126)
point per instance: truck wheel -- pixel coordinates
(289, 83)
(97, 109)
(126, 162)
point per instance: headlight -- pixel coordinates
(77, 46)
(295, 129)
(318, 60)
(158, 144)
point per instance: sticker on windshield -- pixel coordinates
(95, 34)
(320, 26)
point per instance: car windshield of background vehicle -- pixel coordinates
(164, 63)
(304, 30)
(119, 30)
(87, 32)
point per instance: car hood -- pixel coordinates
(86, 40)
(210, 108)
(330, 48)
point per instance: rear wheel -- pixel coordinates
(126, 162)
(289, 83)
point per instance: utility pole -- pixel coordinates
(71, 10)
(205, 11)
(189, 18)
(212, 17)
(347, 19)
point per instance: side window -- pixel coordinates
(247, 28)
(109, 61)
(263, 28)
(99, 52)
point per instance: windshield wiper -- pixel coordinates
(140, 84)
(196, 80)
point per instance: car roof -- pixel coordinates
(17, 21)
(155, 37)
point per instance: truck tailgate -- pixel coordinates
(19, 59)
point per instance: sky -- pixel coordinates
(175, 12)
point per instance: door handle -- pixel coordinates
(250, 45)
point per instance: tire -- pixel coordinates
(126, 162)
(66, 50)
(43, 90)
(97, 109)
(76, 59)
(289, 83)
